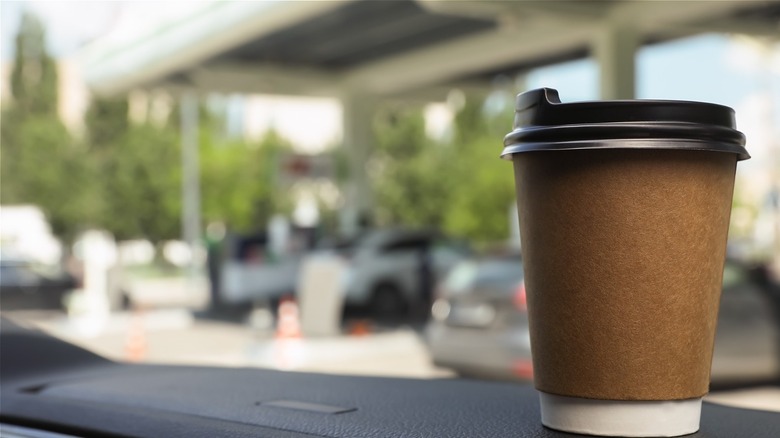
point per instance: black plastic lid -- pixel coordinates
(543, 123)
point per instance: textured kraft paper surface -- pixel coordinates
(623, 256)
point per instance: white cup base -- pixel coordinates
(620, 418)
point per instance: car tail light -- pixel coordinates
(523, 368)
(520, 297)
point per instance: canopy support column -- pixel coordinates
(190, 218)
(614, 48)
(357, 121)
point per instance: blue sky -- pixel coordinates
(697, 68)
(710, 68)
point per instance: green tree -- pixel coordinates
(107, 123)
(461, 187)
(34, 76)
(143, 190)
(139, 169)
(125, 177)
(139, 166)
(410, 178)
(41, 164)
(239, 183)
(484, 187)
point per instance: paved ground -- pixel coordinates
(174, 336)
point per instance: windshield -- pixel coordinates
(296, 185)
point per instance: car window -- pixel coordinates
(743, 301)
(493, 273)
(733, 276)
(408, 244)
(303, 186)
(7, 276)
(44, 271)
(17, 275)
(499, 273)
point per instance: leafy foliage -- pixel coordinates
(461, 187)
(141, 184)
(41, 163)
(140, 164)
(238, 182)
(34, 76)
(412, 186)
(485, 185)
(123, 177)
(126, 177)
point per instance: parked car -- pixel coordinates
(389, 271)
(249, 270)
(246, 283)
(479, 323)
(747, 343)
(25, 285)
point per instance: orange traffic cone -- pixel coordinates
(361, 327)
(288, 325)
(135, 342)
(288, 347)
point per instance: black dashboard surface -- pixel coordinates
(52, 385)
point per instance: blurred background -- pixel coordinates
(315, 186)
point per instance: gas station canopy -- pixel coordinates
(394, 47)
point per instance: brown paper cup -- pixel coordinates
(623, 255)
(623, 242)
